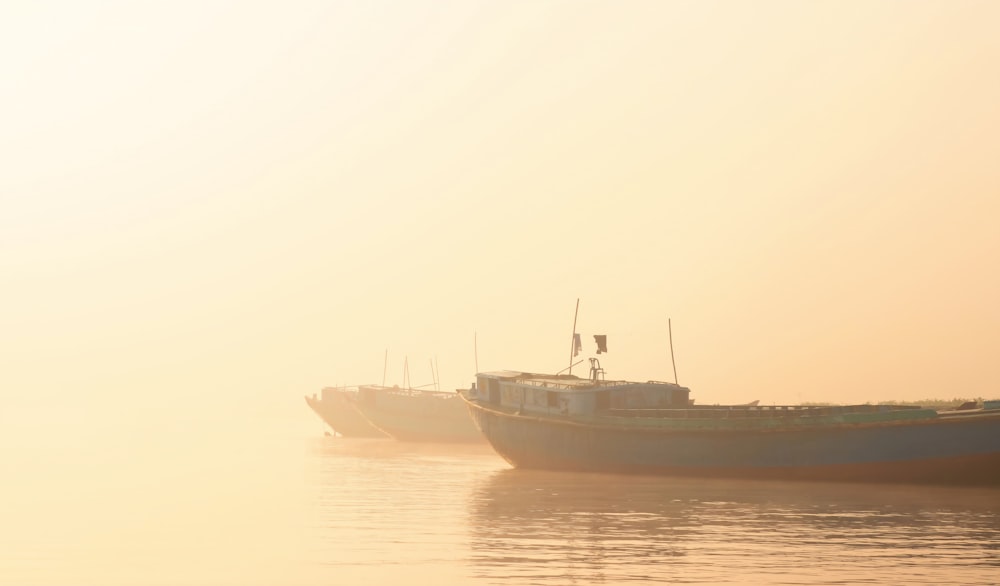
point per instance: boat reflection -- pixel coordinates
(564, 528)
(543, 526)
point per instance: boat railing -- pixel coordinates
(410, 392)
(583, 384)
(766, 411)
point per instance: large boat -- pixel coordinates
(336, 406)
(417, 415)
(591, 424)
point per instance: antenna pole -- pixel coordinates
(572, 339)
(475, 349)
(385, 365)
(670, 331)
(434, 374)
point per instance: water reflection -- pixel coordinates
(388, 512)
(563, 528)
(391, 513)
(551, 528)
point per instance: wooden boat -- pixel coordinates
(336, 407)
(416, 415)
(591, 424)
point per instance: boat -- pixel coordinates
(336, 407)
(565, 422)
(417, 415)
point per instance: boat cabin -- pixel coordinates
(566, 394)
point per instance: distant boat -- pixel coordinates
(336, 407)
(591, 424)
(415, 415)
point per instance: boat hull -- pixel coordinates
(410, 416)
(338, 411)
(963, 451)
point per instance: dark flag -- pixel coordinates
(602, 343)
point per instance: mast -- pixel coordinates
(385, 365)
(670, 332)
(434, 374)
(572, 339)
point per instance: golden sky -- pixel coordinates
(220, 205)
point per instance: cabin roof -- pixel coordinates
(502, 374)
(565, 380)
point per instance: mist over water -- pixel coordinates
(233, 499)
(467, 515)
(208, 502)
(390, 512)
(567, 527)
(210, 209)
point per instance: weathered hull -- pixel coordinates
(416, 418)
(339, 412)
(961, 450)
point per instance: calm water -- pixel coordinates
(289, 507)
(384, 510)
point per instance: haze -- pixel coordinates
(220, 207)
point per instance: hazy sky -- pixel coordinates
(212, 205)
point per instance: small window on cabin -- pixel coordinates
(553, 399)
